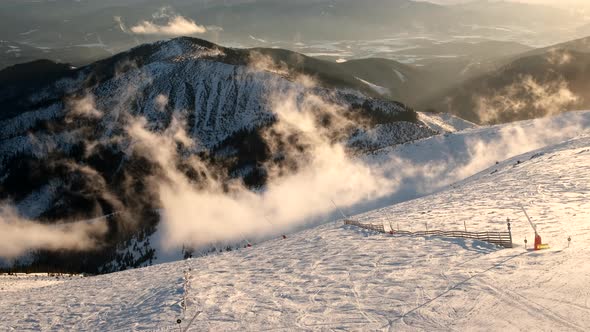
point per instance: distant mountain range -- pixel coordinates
(491, 82)
(68, 23)
(15, 53)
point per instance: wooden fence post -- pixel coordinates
(509, 231)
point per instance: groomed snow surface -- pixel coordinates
(19, 281)
(335, 277)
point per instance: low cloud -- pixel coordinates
(559, 57)
(84, 107)
(214, 28)
(161, 102)
(19, 236)
(526, 98)
(261, 62)
(175, 26)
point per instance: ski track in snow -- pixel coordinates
(336, 277)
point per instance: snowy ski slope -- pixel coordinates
(336, 277)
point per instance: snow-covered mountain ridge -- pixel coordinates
(65, 152)
(340, 277)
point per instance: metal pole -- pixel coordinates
(268, 221)
(529, 219)
(509, 231)
(192, 320)
(465, 225)
(244, 238)
(337, 208)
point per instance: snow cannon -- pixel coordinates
(538, 242)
